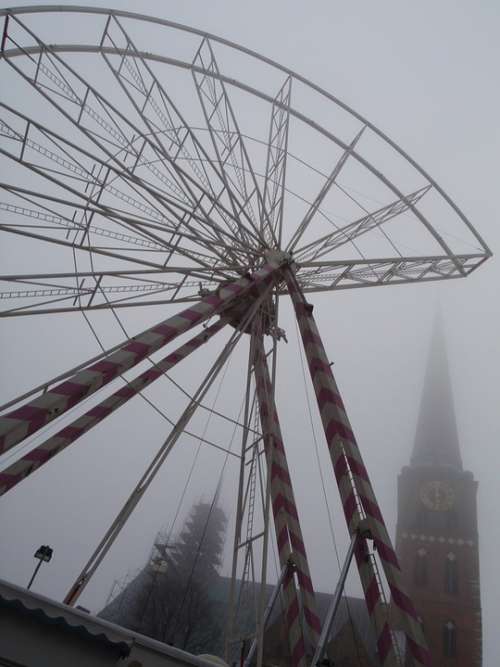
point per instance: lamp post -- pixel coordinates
(43, 554)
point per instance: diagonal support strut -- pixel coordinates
(288, 531)
(37, 457)
(348, 466)
(18, 424)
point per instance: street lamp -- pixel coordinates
(44, 554)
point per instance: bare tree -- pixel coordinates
(173, 597)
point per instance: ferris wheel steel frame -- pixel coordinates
(202, 202)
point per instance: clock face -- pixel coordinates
(437, 495)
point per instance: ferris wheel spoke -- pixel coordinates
(328, 276)
(81, 219)
(214, 273)
(60, 295)
(227, 141)
(84, 286)
(277, 152)
(146, 275)
(330, 181)
(199, 260)
(75, 172)
(364, 225)
(160, 115)
(50, 219)
(74, 98)
(88, 111)
(151, 232)
(98, 297)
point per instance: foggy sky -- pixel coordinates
(427, 74)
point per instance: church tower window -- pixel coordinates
(449, 640)
(420, 572)
(451, 575)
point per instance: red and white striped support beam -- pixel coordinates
(376, 604)
(368, 574)
(286, 521)
(348, 465)
(18, 424)
(30, 462)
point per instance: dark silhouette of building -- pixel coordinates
(437, 531)
(352, 642)
(171, 599)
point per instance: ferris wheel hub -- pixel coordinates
(280, 257)
(237, 314)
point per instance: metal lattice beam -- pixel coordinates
(275, 178)
(229, 146)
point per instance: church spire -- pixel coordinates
(436, 440)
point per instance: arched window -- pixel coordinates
(420, 572)
(449, 640)
(451, 575)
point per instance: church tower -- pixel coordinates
(437, 533)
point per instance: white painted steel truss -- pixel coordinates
(143, 171)
(154, 208)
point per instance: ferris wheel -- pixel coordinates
(156, 165)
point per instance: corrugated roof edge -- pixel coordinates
(74, 618)
(51, 612)
(122, 647)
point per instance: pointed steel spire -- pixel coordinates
(436, 440)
